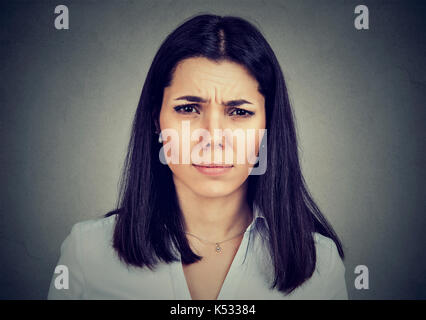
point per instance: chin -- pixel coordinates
(212, 189)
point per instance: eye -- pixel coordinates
(241, 113)
(186, 108)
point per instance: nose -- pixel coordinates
(213, 122)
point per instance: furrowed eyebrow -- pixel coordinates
(236, 103)
(231, 103)
(191, 99)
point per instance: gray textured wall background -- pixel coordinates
(68, 98)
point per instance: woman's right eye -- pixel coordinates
(186, 108)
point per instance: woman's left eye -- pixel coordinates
(241, 113)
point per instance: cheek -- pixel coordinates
(252, 145)
(171, 134)
(181, 170)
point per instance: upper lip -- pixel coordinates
(213, 165)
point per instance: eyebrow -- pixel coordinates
(230, 103)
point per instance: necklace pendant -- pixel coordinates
(218, 248)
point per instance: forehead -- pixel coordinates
(201, 75)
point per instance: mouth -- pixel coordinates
(212, 165)
(213, 169)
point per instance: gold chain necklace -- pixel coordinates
(218, 247)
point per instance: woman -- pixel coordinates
(206, 228)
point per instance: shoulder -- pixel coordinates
(93, 233)
(325, 247)
(329, 272)
(89, 249)
(328, 278)
(100, 224)
(87, 242)
(327, 254)
(95, 270)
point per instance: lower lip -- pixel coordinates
(213, 171)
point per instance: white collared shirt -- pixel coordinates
(95, 272)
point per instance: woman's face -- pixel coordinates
(205, 96)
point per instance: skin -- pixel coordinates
(214, 207)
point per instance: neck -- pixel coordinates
(214, 218)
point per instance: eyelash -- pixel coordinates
(180, 107)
